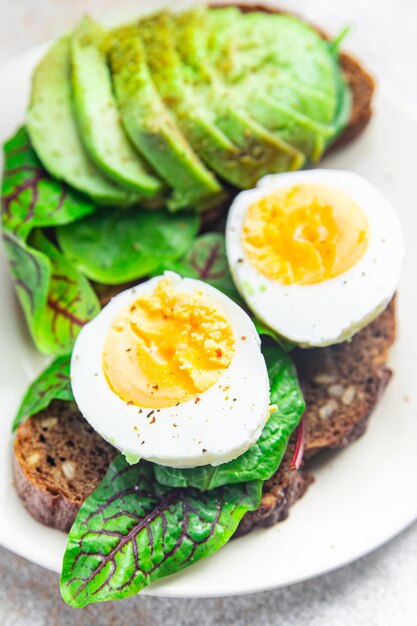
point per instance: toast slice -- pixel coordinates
(342, 384)
(59, 459)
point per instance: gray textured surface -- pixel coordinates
(378, 590)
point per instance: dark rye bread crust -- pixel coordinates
(60, 434)
(58, 461)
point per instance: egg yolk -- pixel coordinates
(167, 347)
(305, 234)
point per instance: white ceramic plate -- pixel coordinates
(362, 497)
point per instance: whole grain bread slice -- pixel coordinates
(59, 459)
(342, 384)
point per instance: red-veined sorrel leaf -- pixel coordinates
(30, 271)
(56, 299)
(207, 261)
(132, 531)
(30, 196)
(52, 384)
(71, 301)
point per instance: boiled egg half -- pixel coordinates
(171, 371)
(316, 255)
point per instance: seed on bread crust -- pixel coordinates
(327, 409)
(349, 395)
(335, 390)
(68, 469)
(324, 379)
(49, 422)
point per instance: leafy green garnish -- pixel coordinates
(262, 460)
(132, 531)
(117, 246)
(30, 196)
(56, 299)
(52, 384)
(206, 260)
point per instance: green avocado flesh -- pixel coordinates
(98, 117)
(172, 105)
(152, 128)
(283, 73)
(258, 151)
(54, 134)
(177, 88)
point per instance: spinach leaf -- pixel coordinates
(262, 460)
(206, 260)
(55, 298)
(116, 246)
(132, 531)
(52, 384)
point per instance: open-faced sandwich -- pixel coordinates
(200, 360)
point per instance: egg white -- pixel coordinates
(332, 311)
(213, 431)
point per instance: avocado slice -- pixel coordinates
(294, 127)
(259, 151)
(152, 128)
(54, 133)
(98, 117)
(275, 55)
(268, 46)
(280, 49)
(171, 79)
(307, 100)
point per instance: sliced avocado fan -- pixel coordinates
(98, 117)
(193, 102)
(152, 128)
(161, 108)
(54, 134)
